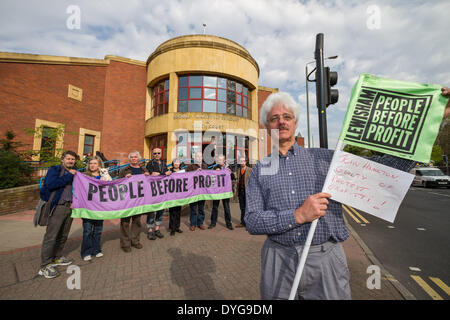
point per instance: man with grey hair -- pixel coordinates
(283, 198)
(130, 238)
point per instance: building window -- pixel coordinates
(48, 142)
(160, 142)
(88, 149)
(197, 93)
(161, 98)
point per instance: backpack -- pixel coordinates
(43, 208)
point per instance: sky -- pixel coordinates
(403, 40)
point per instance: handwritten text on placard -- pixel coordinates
(366, 185)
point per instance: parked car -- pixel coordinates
(430, 177)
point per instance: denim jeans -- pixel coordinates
(241, 194)
(152, 221)
(174, 218)
(226, 209)
(197, 213)
(92, 234)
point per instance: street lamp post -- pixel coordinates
(307, 96)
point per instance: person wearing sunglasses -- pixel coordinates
(156, 167)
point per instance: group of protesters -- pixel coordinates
(59, 182)
(130, 236)
(281, 203)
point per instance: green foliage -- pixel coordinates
(360, 151)
(49, 154)
(14, 171)
(436, 155)
(79, 164)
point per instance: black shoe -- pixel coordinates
(151, 236)
(172, 233)
(137, 246)
(230, 227)
(179, 230)
(159, 234)
(211, 226)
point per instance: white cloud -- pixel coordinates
(412, 43)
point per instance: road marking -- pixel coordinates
(358, 214)
(421, 229)
(440, 194)
(391, 227)
(441, 284)
(433, 294)
(414, 269)
(350, 214)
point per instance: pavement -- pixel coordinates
(201, 265)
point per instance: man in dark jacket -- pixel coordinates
(221, 165)
(60, 220)
(197, 215)
(156, 167)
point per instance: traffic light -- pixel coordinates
(331, 78)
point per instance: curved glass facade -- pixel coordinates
(206, 93)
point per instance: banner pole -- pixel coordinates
(301, 264)
(307, 245)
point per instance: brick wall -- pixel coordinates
(39, 91)
(124, 112)
(262, 96)
(18, 199)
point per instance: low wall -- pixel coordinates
(18, 199)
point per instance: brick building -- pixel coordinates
(189, 84)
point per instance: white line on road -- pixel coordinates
(421, 229)
(414, 269)
(440, 194)
(391, 227)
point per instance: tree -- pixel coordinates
(436, 154)
(358, 151)
(14, 171)
(50, 154)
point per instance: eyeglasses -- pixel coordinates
(156, 153)
(285, 116)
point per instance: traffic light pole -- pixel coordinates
(321, 95)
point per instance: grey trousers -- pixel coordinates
(130, 236)
(325, 275)
(56, 234)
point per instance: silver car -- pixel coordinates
(430, 177)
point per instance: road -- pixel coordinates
(415, 249)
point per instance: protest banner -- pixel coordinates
(394, 117)
(389, 116)
(101, 200)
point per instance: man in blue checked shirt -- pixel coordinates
(283, 198)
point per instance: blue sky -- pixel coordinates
(403, 40)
